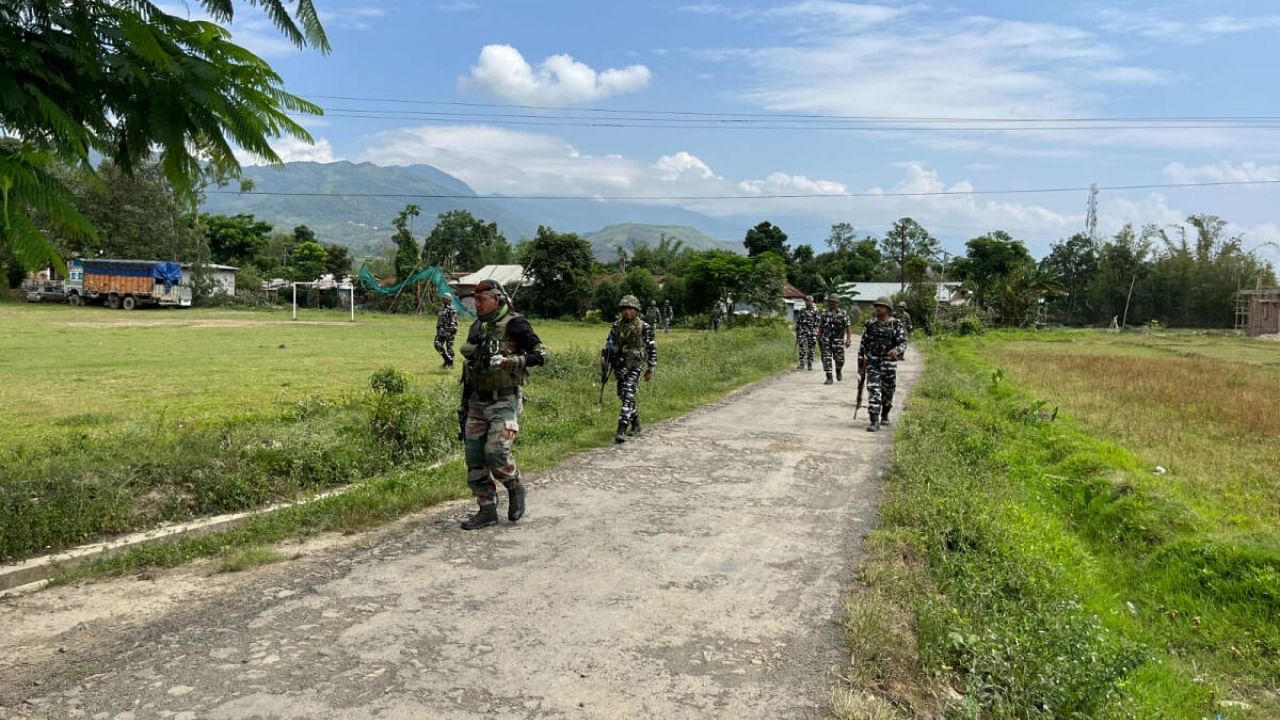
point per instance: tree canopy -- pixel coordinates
(127, 81)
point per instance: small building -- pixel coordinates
(223, 277)
(792, 300)
(864, 294)
(1262, 312)
(511, 277)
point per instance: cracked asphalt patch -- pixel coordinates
(695, 572)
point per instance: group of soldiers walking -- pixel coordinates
(501, 345)
(884, 343)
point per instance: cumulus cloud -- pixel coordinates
(557, 81)
(1221, 172)
(294, 150)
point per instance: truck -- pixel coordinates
(126, 284)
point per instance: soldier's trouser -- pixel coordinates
(493, 421)
(806, 343)
(628, 383)
(832, 352)
(444, 346)
(715, 326)
(666, 324)
(882, 381)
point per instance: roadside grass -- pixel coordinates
(244, 558)
(81, 486)
(1027, 568)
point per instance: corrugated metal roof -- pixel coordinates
(508, 275)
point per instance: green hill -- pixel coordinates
(604, 243)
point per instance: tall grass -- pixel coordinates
(1048, 573)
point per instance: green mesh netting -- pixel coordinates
(432, 275)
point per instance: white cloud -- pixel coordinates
(557, 81)
(1186, 32)
(291, 149)
(360, 17)
(682, 164)
(457, 6)
(1221, 172)
(780, 183)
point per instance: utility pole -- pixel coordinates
(1091, 217)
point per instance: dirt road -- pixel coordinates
(696, 572)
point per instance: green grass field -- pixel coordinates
(67, 367)
(1033, 565)
(125, 420)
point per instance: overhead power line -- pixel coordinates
(768, 196)
(810, 116)
(669, 124)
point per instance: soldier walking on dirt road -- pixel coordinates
(884, 343)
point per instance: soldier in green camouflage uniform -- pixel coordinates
(806, 333)
(446, 329)
(632, 350)
(905, 317)
(834, 335)
(717, 316)
(653, 315)
(500, 348)
(668, 314)
(884, 343)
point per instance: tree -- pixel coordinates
(235, 240)
(716, 276)
(763, 283)
(338, 261)
(639, 282)
(842, 237)
(129, 82)
(669, 256)
(408, 259)
(608, 294)
(988, 261)
(560, 266)
(905, 240)
(767, 237)
(309, 261)
(302, 234)
(461, 241)
(1072, 264)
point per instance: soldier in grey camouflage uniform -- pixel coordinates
(806, 333)
(667, 315)
(884, 343)
(632, 350)
(905, 317)
(717, 317)
(446, 329)
(501, 345)
(834, 335)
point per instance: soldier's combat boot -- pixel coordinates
(875, 424)
(884, 418)
(829, 381)
(839, 373)
(810, 365)
(621, 436)
(635, 426)
(515, 503)
(800, 365)
(487, 515)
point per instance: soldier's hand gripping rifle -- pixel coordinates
(606, 361)
(862, 381)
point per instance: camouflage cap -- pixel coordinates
(808, 298)
(832, 297)
(491, 286)
(629, 301)
(653, 302)
(902, 304)
(883, 300)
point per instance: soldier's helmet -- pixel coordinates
(446, 298)
(808, 298)
(882, 300)
(832, 297)
(653, 303)
(902, 305)
(629, 301)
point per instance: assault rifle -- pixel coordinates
(606, 358)
(862, 381)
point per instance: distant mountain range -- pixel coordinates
(361, 220)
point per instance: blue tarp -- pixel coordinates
(169, 273)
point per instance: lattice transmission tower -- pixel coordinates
(1091, 217)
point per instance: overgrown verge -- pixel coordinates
(1027, 569)
(91, 485)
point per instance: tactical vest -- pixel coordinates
(630, 352)
(492, 340)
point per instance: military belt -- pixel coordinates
(494, 395)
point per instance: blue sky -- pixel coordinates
(995, 59)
